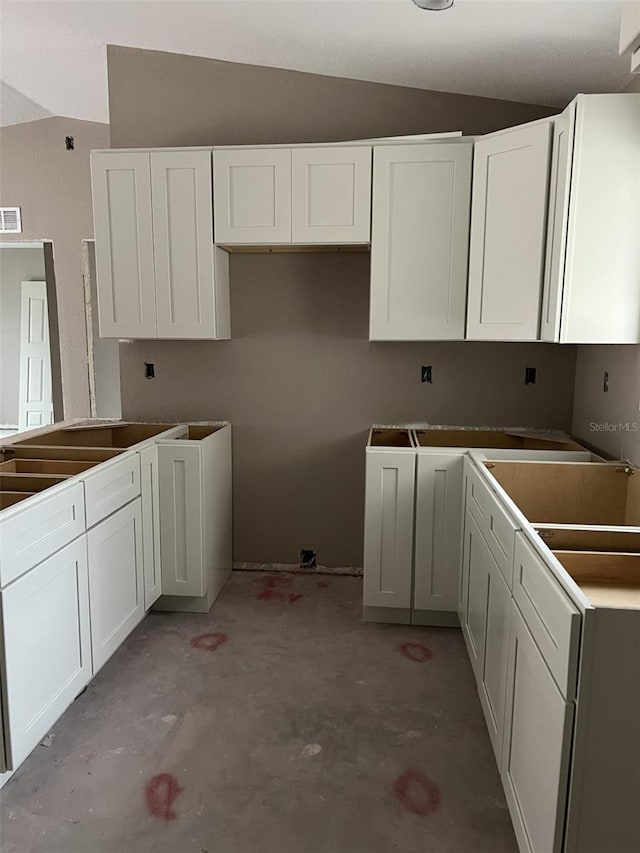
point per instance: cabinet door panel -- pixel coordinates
(419, 244)
(181, 521)
(252, 196)
(388, 538)
(492, 690)
(508, 232)
(331, 195)
(476, 572)
(438, 531)
(47, 646)
(116, 580)
(538, 727)
(183, 243)
(121, 184)
(111, 486)
(150, 497)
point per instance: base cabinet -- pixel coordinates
(537, 744)
(116, 580)
(194, 477)
(388, 537)
(46, 648)
(437, 531)
(475, 577)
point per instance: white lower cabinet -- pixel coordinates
(150, 506)
(388, 539)
(116, 580)
(437, 532)
(46, 646)
(537, 744)
(194, 478)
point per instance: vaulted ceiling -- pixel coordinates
(53, 55)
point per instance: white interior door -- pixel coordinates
(36, 405)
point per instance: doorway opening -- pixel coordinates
(30, 376)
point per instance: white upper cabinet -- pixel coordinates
(182, 231)
(592, 278)
(158, 272)
(304, 196)
(630, 32)
(508, 233)
(121, 183)
(330, 195)
(420, 233)
(252, 195)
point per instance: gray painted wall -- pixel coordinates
(16, 266)
(52, 186)
(300, 381)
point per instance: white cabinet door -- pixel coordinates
(110, 486)
(508, 233)
(150, 497)
(46, 646)
(438, 531)
(388, 533)
(419, 241)
(476, 594)
(537, 745)
(331, 195)
(558, 221)
(181, 519)
(116, 580)
(494, 671)
(121, 183)
(252, 196)
(183, 243)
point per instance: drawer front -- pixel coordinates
(31, 535)
(112, 487)
(500, 531)
(477, 495)
(551, 617)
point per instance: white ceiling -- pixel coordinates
(53, 54)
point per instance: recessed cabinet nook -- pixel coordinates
(519, 235)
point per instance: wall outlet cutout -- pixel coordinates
(69, 143)
(529, 376)
(605, 381)
(427, 373)
(307, 559)
(149, 370)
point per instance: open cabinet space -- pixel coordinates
(605, 494)
(608, 579)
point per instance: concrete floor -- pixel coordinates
(304, 732)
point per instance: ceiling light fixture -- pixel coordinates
(434, 5)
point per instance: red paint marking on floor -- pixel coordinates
(209, 642)
(270, 595)
(417, 793)
(294, 596)
(323, 584)
(416, 652)
(160, 793)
